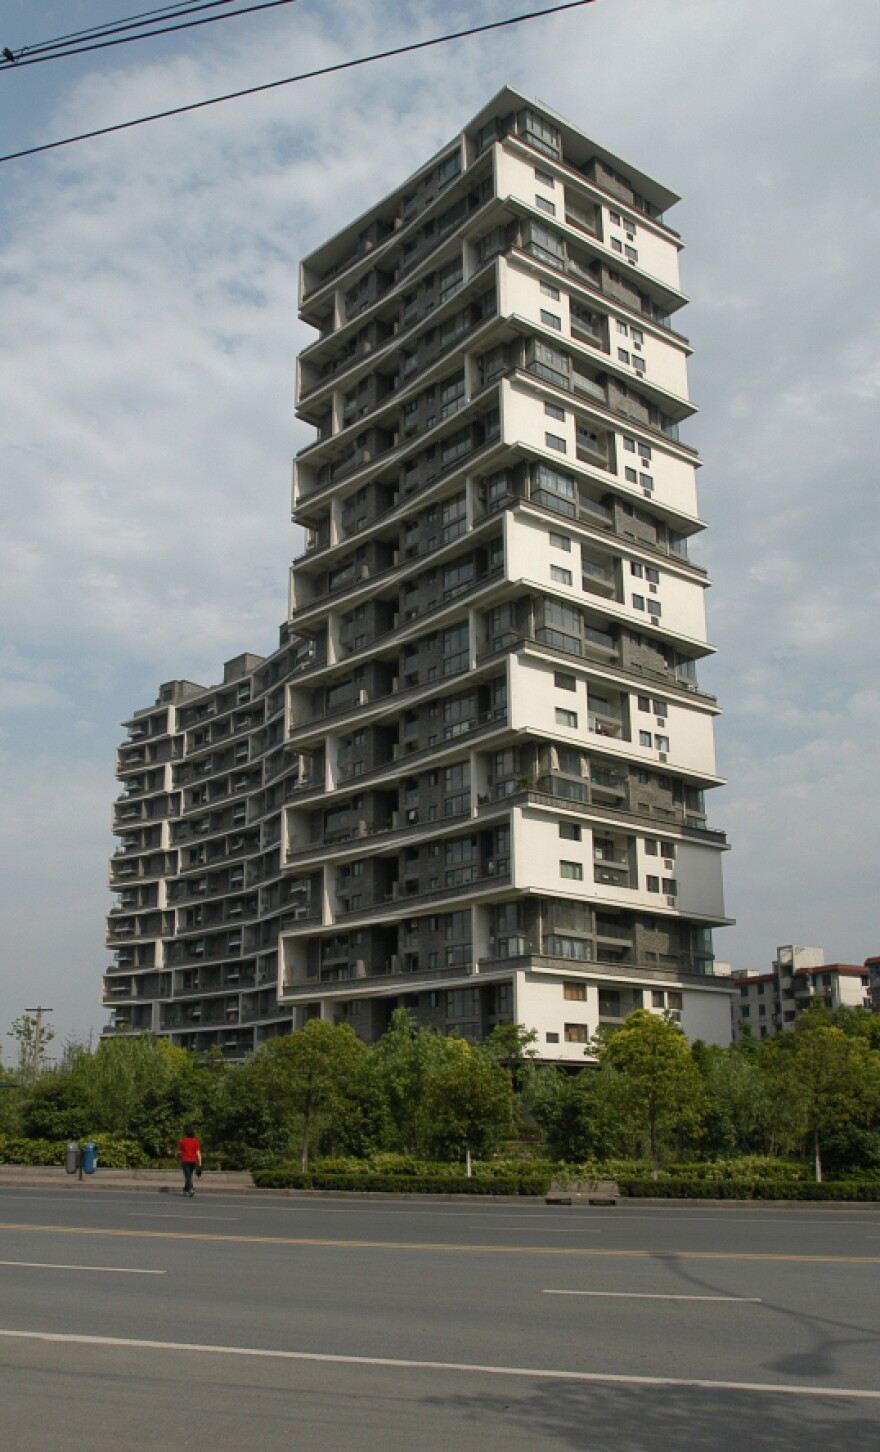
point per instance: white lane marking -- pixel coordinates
(115, 1270)
(655, 1296)
(184, 1215)
(549, 1230)
(533, 1373)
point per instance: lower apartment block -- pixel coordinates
(201, 895)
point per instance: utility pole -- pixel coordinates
(38, 1033)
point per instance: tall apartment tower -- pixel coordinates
(501, 743)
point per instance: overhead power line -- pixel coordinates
(35, 60)
(109, 26)
(303, 76)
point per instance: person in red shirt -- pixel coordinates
(190, 1152)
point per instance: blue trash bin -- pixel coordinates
(89, 1157)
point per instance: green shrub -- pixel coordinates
(115, 1152)
(668, 1188)
(14, 1151)
(287, 1177)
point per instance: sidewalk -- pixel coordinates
(53, 1177)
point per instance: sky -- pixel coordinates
(148, 335)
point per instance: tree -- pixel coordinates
(469, 1099)
(299, 1076)
(580, 1114)
(32, 1037)
(829, 1079)
(405, 1057)
(660, 1085)
(511, 1045)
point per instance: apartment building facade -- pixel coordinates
(501, 744)
(201, 894)
(765, 1004)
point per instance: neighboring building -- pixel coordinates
(201, 893)
(500, 814)
(873, 967)
(767, 1003)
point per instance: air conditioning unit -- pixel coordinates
(670, 902)
(652, 589)
(668, 863)
(301, 912)
(661, 720)
(663, 756)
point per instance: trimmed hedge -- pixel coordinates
(702, 1189)
(284, 1177)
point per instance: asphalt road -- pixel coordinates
(148, 1321)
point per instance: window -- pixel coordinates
(549, 290)
(553, 410)
(652, 884)
(630, 253)
(575, 992)
(546, 205)
(552, 1038)
(629, 444)
(563, 681)
(638, 337)
(651, 846)
(553, 441)
(636, 569)
(577, 1033)
(644, 738)
(449, 167)
(652, 575)
(661, 708)
(566, 718)
(615, 218)
(544, 177)
(639, 365)
(561, 576)
(629, 475)
(616, 244)
(661, 743)
(571, 870)
(570, 831)
(654, 608)
(623, 355)
(560, 541)
(551, 320)
(670, 886)
(638, 602)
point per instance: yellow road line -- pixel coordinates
(567, 1250)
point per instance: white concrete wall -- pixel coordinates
(706, 1015)
(540, 1004)
(534, 698)
(698, 871)
(681, 600)
(657, 253)
(520, 293)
